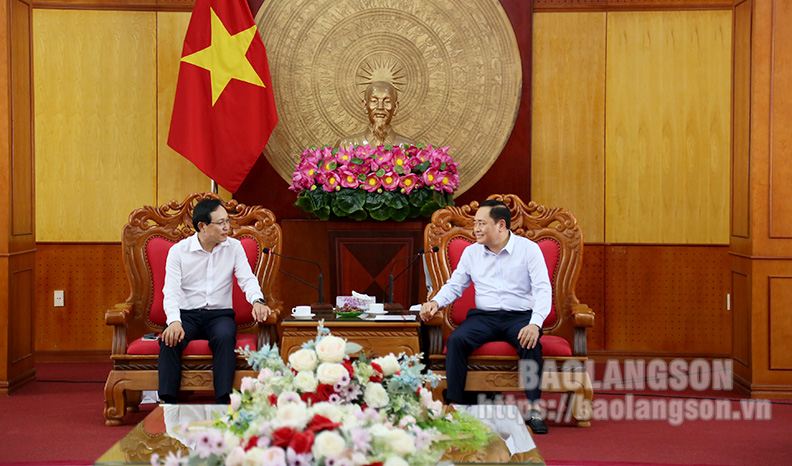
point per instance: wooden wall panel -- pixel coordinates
(95, 116)
(20, 322)
(781, 117)
(22, 122)
(780, 324)
(741, 310)
(93, 278)
(177, 177)
(568, 147)
(667, 120)
(669, 299)
(591, 290)
(741, 129)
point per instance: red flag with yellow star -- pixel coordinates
(224, 111)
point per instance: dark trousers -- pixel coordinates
(219, 328)
(481, 327)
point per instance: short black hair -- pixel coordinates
(202, 212)
(498, 211)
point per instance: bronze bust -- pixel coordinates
(380, 104)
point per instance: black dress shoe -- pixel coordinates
(536, 423)
(167, 399)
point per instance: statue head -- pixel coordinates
(381, 102)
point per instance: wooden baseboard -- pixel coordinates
(605, 355)
(10, 386)
(761, 391)
(73, 356)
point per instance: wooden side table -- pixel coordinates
(377, 338)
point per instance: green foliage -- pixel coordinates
(359, 204)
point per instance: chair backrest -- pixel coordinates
(554, 230)
(152, 231)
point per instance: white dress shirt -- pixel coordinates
(515, 279)
(197, 279)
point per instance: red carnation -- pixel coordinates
(309, 398)
(273, 400)
(348, 366)
(282, 437)
(320, 423)
(378, 374)
(252, 442)
(378, 463)
(323, 391)
(302, 442)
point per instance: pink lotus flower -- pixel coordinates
(331, 182)
(390, 181)
(409, 182)
(372, 183)
(383, 158)
(400, 159)
(349, 178)
(430, 177)
(328, 164)
(446, 182)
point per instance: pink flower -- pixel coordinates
(446, 182)
(372, 183)
(409, 182)
(348, 178)
(400, 159)
(383, 158)
(430, 177)
(328, 164)
(331, 182)
(390, 181)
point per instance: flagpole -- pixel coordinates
(214, 187)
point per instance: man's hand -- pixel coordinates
(173, 334)
(428, 310)
(261, 312)
(529, 336)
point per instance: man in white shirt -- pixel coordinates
(198, 299)
(513, 298)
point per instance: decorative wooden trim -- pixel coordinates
(117, 5)
(541, 6)
(601, 356)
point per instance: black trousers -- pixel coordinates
(481, 327)
(217, 326)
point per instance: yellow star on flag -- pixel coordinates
(225, 57)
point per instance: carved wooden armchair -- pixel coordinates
(146, 239)
(494, 366)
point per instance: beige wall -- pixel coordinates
(632, 123)
(104, 84)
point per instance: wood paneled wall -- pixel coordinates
(104, 85)
(634, 136)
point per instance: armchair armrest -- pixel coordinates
(119, 314)
(268, 330)
(583, 315)
(433, 329)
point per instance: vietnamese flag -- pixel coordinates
(224, 111)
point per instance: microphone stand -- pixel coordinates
(391, 278)
(321, 304)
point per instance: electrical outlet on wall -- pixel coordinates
(58, 298)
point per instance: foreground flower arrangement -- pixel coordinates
(324, 409)
(382, 182)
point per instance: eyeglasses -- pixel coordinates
(222, 223)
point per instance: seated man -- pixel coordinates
(198, 299)
(513, 298)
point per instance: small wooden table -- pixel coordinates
(377, 338)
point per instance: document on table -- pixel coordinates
(397, 318)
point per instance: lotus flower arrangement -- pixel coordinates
(382, 182)
(322, 408)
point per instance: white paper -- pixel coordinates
(395, 318)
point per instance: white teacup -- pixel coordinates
(301, 311)
(376, 308)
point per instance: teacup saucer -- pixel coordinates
(376, 313)
(302, 316)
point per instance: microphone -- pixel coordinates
(318, 288)
(391, 278)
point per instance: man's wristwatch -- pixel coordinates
(260, 300)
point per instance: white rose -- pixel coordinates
(253, 457)
(395, 461)
(406, 421)
(248, 385)
(231, 440)
(303, 360)
(399, 440)
(294, 415)
(328, 410)
(375, 395)
(236, 457)
(305, 381)
(287, 397)
(330, 373)
(389, 364)
(359, 459)
(328, 444)
(236, 401)
(264, 374)
(274, 456)
(331, 349)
